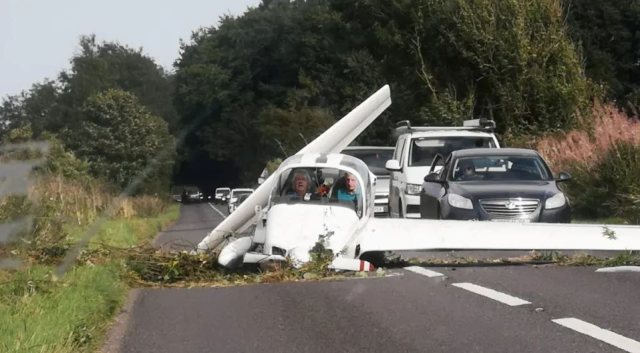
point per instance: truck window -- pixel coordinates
(396, 152)
(375, 159)
(424, 149)
(400, 159)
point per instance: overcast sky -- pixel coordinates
(38, 37)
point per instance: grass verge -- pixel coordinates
(72, 314)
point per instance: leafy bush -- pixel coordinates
(13, 207)
(120, 139)
(59, 161)
(619, 175)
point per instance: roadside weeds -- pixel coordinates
(71, 314)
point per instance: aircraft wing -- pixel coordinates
(420, 234)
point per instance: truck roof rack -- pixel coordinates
(482, 124)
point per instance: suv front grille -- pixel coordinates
(510, 208)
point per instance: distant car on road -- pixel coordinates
(191, 194)
(375, 158)
(507, 184)
(221, 195)
(234, 195)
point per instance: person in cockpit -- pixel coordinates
(351, 191)
(301, 183)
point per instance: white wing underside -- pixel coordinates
(420, 234)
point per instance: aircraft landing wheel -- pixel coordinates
(376, 258)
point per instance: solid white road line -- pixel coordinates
(490, 293)
(217, 210)
(596, 332)
(619, 269)
(423, 271)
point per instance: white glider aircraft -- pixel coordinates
(306, 201)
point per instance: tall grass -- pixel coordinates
(39, 315)
(61, 204)
(587, 145)
(603, 155)
(71, 315)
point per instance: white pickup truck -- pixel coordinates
(221, 195)
(415, 150)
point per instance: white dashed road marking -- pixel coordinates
(619, 269)
(596, 332)
(423, 271)
(490, 293)
(217, 210)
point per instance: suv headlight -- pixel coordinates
(557, 201)
(458, 201)
(413, 189)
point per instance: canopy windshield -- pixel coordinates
(321, 186)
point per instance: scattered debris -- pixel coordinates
(310, 276)
(609, 233)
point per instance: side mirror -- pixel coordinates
(564, 176)
(433, 178)
(260, 181)
(393, 165)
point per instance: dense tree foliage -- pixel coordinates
(609, 34)
(445, 60)
(109, 65)
(54, 105)
(120, 139)
(261, 72)
(113, 133)
(261, 84)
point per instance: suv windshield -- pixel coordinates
(424, 149)
(375, 159)
(240, 193)
(223, 192)
(242, 197)
(502, 168)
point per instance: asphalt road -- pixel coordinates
(196, 220)
(470, 309)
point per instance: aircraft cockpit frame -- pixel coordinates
(325, 178)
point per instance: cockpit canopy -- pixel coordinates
(331, 179)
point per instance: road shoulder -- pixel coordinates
(115, 336)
